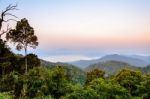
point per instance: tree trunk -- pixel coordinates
(1, 21)
(0, 26)
(26, 66)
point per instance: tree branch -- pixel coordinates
(10, 20)
(6, 13)
(11, 15)
(7, 30)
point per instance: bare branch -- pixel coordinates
(10, 7)
(10, 20)
(11, 15)
(7, 30)
(6, 13)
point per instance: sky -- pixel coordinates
(70, 30)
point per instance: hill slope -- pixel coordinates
(111, 67)
(76, 74)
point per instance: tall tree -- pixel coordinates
(23, 36)
(5, 16)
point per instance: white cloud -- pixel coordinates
(67, 58)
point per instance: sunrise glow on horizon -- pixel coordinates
(87, 28)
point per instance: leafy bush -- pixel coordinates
(5, 96)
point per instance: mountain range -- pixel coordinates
(134, 60)
(110, 67)
(111, 64)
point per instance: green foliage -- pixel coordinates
(7, 80)
(23, 35)
(53, 83)
(58, 85)
(35, 83)
(7, 59)
(144, 88)
(5, 96)
(33, 61)
(79, 92)
(73, 74)
(96, 73)
(109, 89)
(130, 80)
(41, 82)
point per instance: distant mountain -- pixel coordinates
(144, 58)
(131, 60)
(85, 63)
(111, 67)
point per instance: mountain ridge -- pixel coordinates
(140, 61)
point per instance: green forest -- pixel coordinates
(28, 77)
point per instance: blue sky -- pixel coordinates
(83, 29)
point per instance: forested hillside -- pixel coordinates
(111, 67)
(75, 74)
